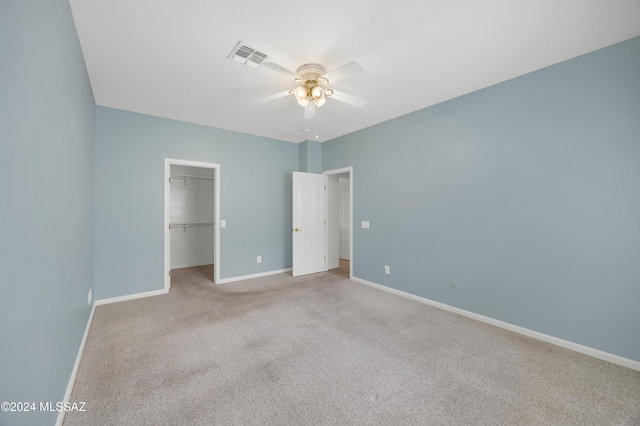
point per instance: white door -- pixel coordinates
(308, 223)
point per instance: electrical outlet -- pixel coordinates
(89, 297)
(387, 269)
(259, 259)
(454, 285)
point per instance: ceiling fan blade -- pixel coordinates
(344, 71)
(348, 99)
(280, 69)
(272, 97)
(310, 111)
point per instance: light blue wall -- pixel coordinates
(310, 157)
(302, 157)
(314, 157)
(527, 193)
(255, 198)
(46, 203)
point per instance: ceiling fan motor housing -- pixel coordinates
(312, 72)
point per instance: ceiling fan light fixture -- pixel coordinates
(320, 101)
(317, 92)
(300, 93)
(303, 102)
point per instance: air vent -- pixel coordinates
(246, 55)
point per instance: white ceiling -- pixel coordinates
(168, 58)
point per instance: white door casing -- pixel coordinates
(308, 227)
(345, 173)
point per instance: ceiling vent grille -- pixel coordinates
(246, 55)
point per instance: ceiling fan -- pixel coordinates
(312, 92)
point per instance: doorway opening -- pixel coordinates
(339, 229)
(191, 212)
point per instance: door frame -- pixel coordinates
(168, 162)
(342, 170)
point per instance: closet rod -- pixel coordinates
(190, 177)
(189, 225)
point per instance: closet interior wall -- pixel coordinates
(338, 219)
(344, 216)
(191, 213)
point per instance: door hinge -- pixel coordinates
(325, 187)
(325, 223)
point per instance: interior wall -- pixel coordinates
(333, 229)
(302, 157)
(255, 198)
(47, 155)
(525, 193)
(191, 202)
(338, 219)
(310, 157)
(344, 216)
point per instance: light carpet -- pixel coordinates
(323, 350)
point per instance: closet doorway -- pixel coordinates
(339, 229)
(191, 216)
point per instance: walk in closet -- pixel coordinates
(191, 212)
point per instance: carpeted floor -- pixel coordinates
(323, 350)
(342, 270)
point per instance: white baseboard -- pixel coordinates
(130, 297)
(596, 353)
(248, 277)
(74, 372)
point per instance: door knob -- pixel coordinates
(297, 229)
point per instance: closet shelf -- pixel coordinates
(189, 225)
(190, 177)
